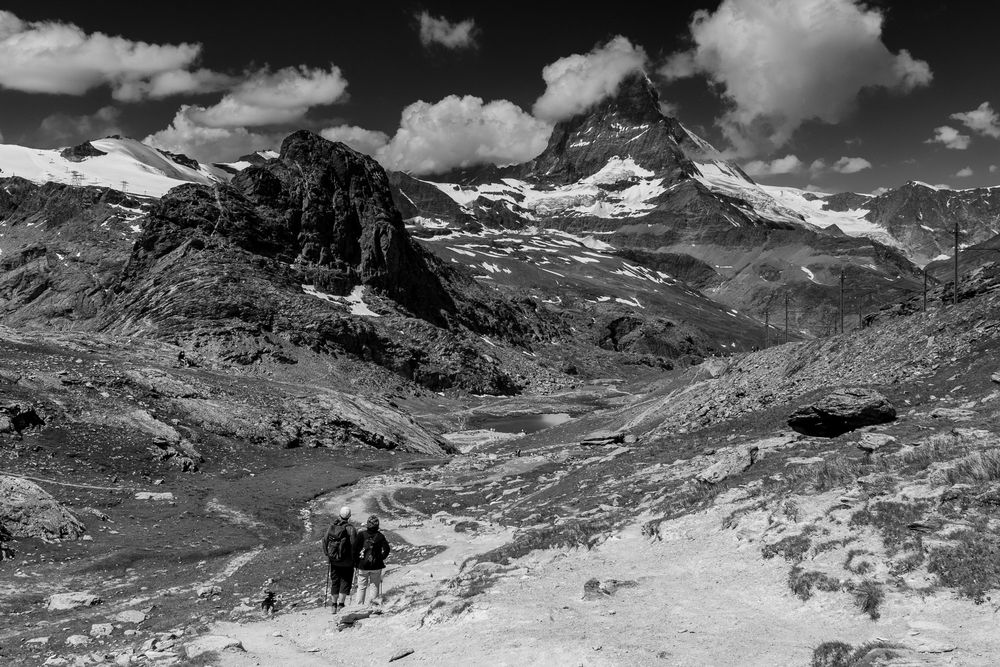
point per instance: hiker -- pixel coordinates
(340, 546)
(373, 549)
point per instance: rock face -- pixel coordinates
(27, 510)
(841, 411)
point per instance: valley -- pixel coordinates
(566, 387)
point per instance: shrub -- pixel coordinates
(868, 597)
(839, 654)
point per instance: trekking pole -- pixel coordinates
(326, 585)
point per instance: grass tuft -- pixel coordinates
(802, 583)
(868, 597)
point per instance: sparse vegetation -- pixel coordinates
(982, 466)
(868, 597)
(802, 583)
(972, 564)
(891, 519)
(791, 548)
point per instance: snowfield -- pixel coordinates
(128, 165)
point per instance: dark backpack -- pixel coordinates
(338, 544)
(368, 550)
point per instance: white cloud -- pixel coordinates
(964, 172)
(463, 131)
(209, 144)
(61, 129)
(440, 31)
(983, 119)
(577, 82)
(273, 98)
(781, 63)
(950, 137)
(851, 165)
(818, 166)
(176, 82)
(60, 58)
(993, 169)
(790, 164)
(1, 137)
(364, 141)
(879, 191)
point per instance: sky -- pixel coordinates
(832, 95)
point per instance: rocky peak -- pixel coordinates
(321, 207)
(628, 124)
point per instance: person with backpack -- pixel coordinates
(340, 546)
(373, 549)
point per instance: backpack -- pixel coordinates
(368, 550)
(338, 544)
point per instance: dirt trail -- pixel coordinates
(702, 596)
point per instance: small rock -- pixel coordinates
(402, 653)
(56, 661)
(871, 442)
(211, 644)
(101, 629)
(77, 640)
(130, 616)
(37, 641)
(731, 462)
(933, 646)
(995, 377)
(954, 414)
(150, 495)
(209, 591)
(60, 601)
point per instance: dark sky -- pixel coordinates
(376, 46)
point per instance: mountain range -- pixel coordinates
(627, 225)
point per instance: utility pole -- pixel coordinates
(841, 301)
(956, 262)
(925, 288)
(767, 324)
(786, 317)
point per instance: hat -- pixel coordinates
(373, 522)
(345, 512)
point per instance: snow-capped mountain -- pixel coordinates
(654, 193)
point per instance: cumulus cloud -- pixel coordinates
(439, 31)
(790, 164)
(575, 83)
(364, 141)
(780, 64)
(950, 138)
(964, 172)
(273, 98)
(60, 58)
(209, 144)
(993, 168)
(983, 119)
(61, 129)
(463, 131)
(851, 165)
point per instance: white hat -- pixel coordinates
(345, 512)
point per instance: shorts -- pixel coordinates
(341, 578)
(368, 578)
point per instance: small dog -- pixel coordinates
(268, 602)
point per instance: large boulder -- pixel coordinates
(27, 510)
(841, 411)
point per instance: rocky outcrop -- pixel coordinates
(81, 152)
(27, 510)
(841, 411)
